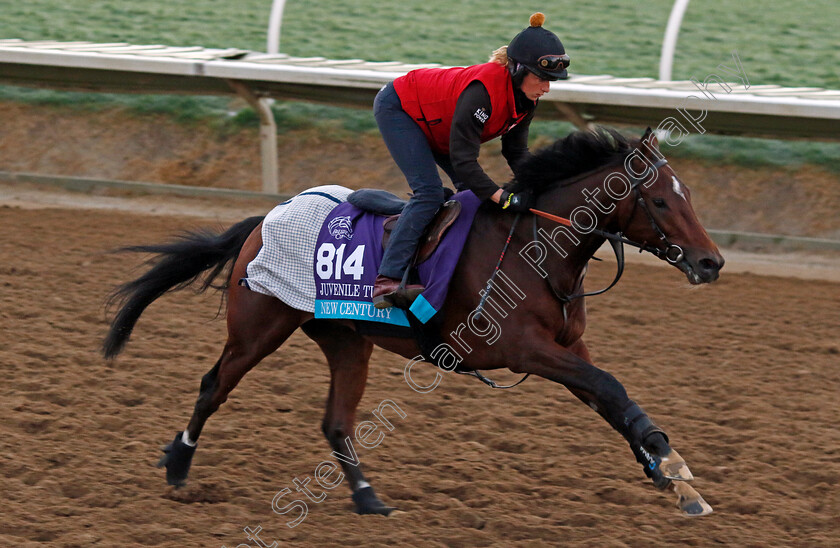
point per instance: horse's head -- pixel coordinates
(658, 213)
(645, 200)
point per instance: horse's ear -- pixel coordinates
(650, 140)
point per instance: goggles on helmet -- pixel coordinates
(553, 62)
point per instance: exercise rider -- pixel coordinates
(439, 117)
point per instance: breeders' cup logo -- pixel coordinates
(340, 227)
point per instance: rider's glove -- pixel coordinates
(520, 202)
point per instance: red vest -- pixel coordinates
(429, 96)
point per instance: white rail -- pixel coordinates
(759, 110)
(669, 42)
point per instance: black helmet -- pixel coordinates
(539, 50)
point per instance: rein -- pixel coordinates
(664, 254)
(618, 249)
(618, 239)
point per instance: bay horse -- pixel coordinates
(599, 184)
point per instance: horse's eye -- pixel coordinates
(659, 202)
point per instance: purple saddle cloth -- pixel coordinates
(347, 258)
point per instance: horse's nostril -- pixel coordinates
(709, 264)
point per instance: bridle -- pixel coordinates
(672, 253)
(666, 254)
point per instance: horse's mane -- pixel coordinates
(572, 155)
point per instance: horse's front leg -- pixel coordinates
(600, 390)
(648, 442)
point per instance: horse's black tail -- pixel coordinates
(176, 265)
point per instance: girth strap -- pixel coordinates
(490, 382)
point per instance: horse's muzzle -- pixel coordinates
(704, 270)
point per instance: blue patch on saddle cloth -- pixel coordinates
(347, 258)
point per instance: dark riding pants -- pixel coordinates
(411, 151)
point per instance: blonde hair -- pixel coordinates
(499, 56)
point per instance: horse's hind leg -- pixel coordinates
(257, 325)
(347, 354)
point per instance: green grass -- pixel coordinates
(758, 152)
(787, 43)
(722, 149)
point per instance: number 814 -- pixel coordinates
(330, 259)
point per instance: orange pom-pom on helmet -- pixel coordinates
(537, 19)
(539, 51)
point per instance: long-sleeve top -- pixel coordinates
(471, 111)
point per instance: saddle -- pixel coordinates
(382, 202)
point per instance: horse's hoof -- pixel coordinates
(177, 458)
(664, 470)
(689, 500)
(674, 468)
(368, 503)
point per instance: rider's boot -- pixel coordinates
(389, 292)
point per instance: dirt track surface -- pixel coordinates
(743, 374)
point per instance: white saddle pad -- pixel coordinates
(284, 266)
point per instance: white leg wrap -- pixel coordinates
(362, 485)
(185, 437)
